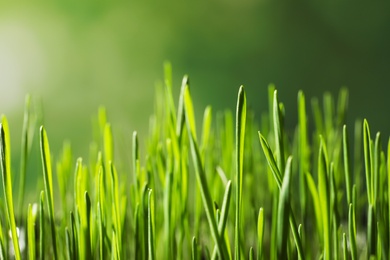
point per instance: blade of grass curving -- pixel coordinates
(388, 180)
(180, 110)
(270, 160)
(87, 228)
(345, 247)
(324, 197)
(347, 165)
(224, 215)
(200, 175)
(303, 150)
(367, 159)
(194, 249)
(317, 205)
(100, 231)
(284, 212)
(251, 254)
(168, 200)
(31, 233)
(352, 231)
(137, 240)
(114, 247)
(371, 236)
(152, 253)
(260, 234)
(278, 132)
(115, 207)
(240, 139)
(75, 236)
(383, 239)
(42, 226)
(277, 176)
(68, 243)
(5, 159)
(24, 153)
(301, 234)
(47, 178)
(376, 170)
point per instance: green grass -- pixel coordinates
(243, 190)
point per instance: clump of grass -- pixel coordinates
(298, 194)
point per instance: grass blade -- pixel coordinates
(5, 159)
(278, 131)
(368, 159)
(345, 247)
(284, 212)
(47, 178)
(24, 152)
(224, 215)
(271, 160)
(194, 248)
(240, 138)
(42, 226)
(324, 196)
(260, 234)
(347, 165)
(200, 175)
(303, 150)
(31, 233)
(152, 253)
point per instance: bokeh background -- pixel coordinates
(78, 55)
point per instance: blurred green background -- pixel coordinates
(78, 55)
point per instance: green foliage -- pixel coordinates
(296, 195)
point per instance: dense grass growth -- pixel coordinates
(242, 189)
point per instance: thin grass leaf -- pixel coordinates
(283, 212)
(200, 175)
(194, 249)
(137, 228)
(377, 163)
(324, 195)
(224, 215)
(371, 234)
(24, 152)
(100, 231)
(301, 234)
(151, 251)
(180, 110)
(5, 159)
(68, 244)
(240, 138)
(388, 181)
(345, 247)
(251, 253)
(277, 176)
(278, 132)
(75, 236)
(271, 160)
(368, 160)
(47, 178)
(42, 226)
(303, 150)
(87, 228)
(347, 165)
(31, 233)
(316, 204)
(383, 239)
(260, 234)
(115, 207)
